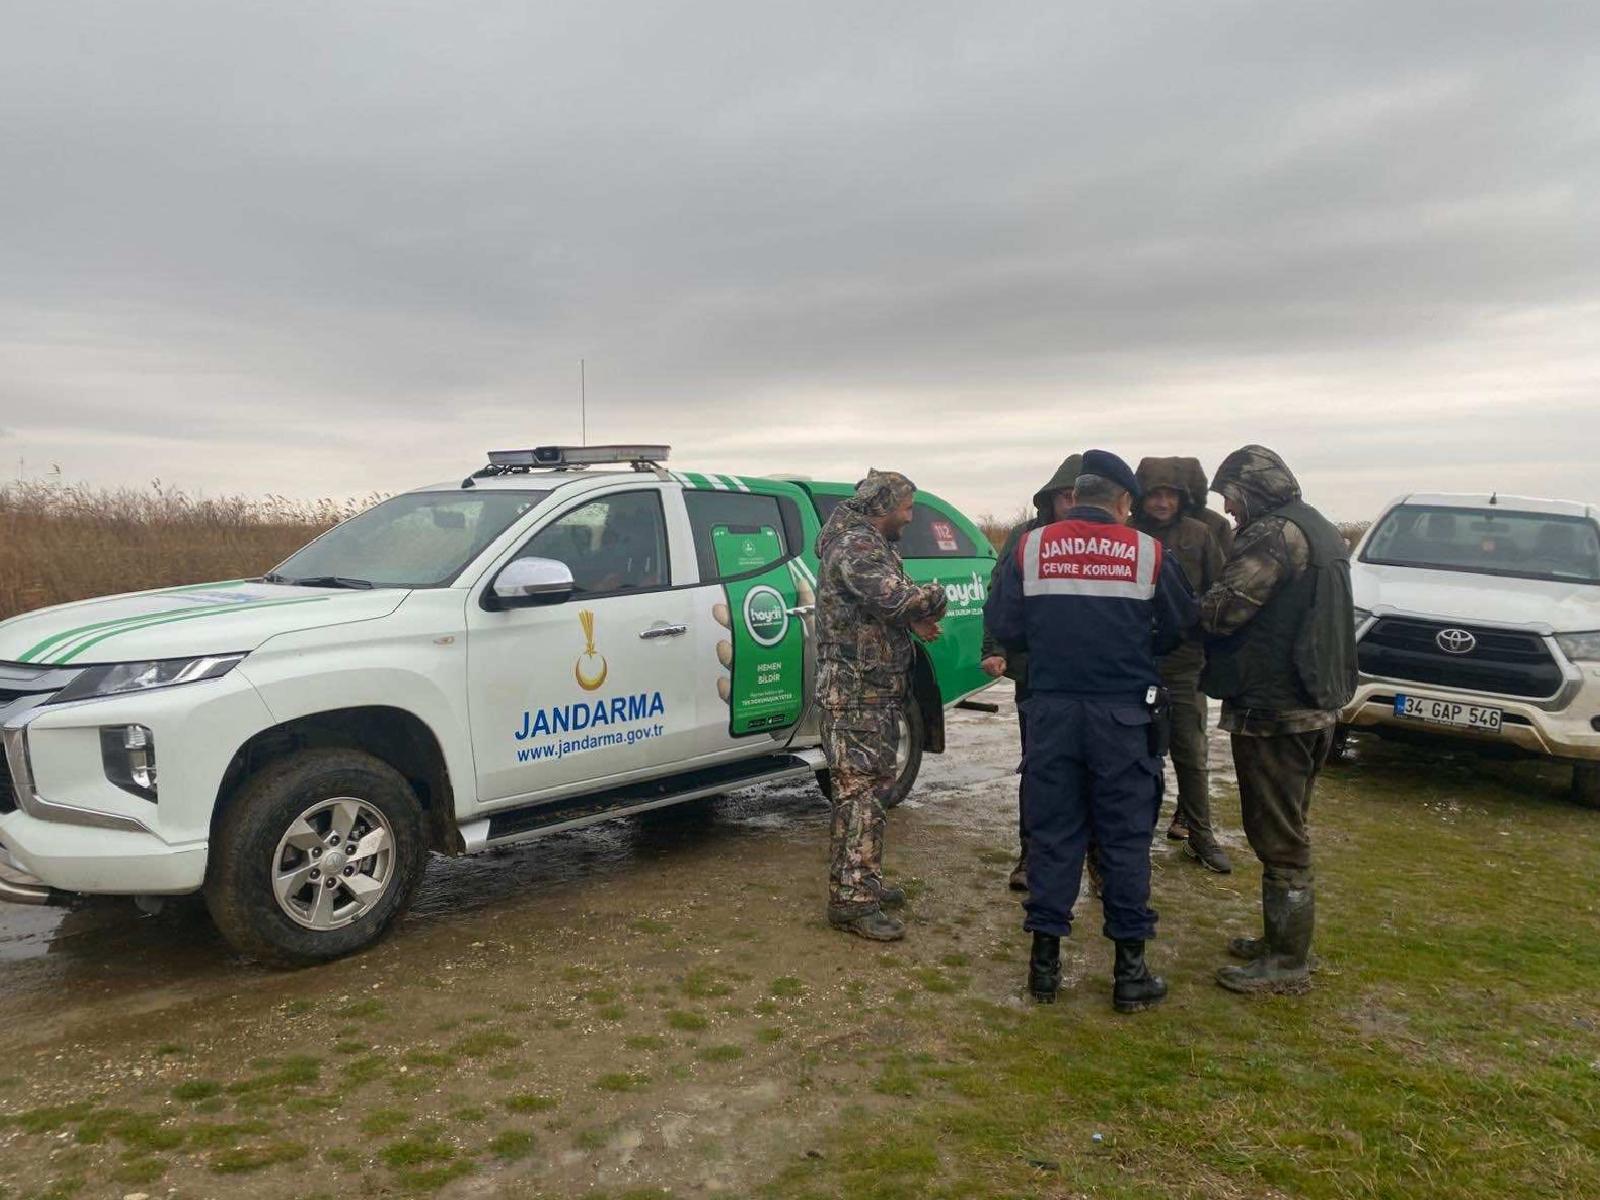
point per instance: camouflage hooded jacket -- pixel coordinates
(1268, 552)
(865, 605)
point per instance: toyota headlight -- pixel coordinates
(1580, 647)
(116, 679)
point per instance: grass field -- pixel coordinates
(1450, 1048)
(59, 544)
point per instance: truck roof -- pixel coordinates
(1532, 504)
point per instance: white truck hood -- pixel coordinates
(1487, 599)
(213, 618)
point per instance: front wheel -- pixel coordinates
(1586, 784)
(315, 856)
(907, 757)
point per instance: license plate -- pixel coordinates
(1447, 712)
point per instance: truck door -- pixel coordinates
(596, 689)
(752, 616)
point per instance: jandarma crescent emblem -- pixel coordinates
(588, 659)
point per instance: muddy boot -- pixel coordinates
(871, 924)
(1019, 873)
(889, 896)
(1285, 968)
(1206, 851)
(1135, 988)
(1044, 968)
(1178, 831)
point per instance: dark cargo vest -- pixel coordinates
(1300, 650)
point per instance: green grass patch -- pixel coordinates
(51, 1117)
(689, 1021)
(383, 1121)
(511, 1145)
(645, 1041)
(244, 1159)
(618, 1081)
(484, 1043)
(367, 1009)
(429, 1058)
(222, 1135)
(300, 1070)
(703, 983)
(431, 1179)
(768, 1034)
(138, 1169)
(721, 1054)
(611, 1012)
(787, 987)
(529, 1102)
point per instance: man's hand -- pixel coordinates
(927, 629)
(994, 666)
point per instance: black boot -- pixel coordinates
(1135, 989)
(1283, 959)
(1018, 882)
(1044, 968)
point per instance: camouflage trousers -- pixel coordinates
(860, 744)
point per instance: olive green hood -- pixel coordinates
(1194, 476)
(1256, 479)
(1167, 473)
(1064, 480)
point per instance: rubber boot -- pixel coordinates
(1206, 851)
(890, 896)
(1289, 914)
(873, 924)
(1135, 989)
(1044, 968)
(1018, 882)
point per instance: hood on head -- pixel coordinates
(1195, 477)
(1065, 478)
(1165, 473)
(1257, 479)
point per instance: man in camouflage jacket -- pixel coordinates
(867, 611)
(1280, 653)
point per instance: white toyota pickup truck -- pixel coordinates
(1478, 617)
(566, 635)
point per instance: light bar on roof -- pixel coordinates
(578, 456)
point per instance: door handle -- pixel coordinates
(661, 631)
(801, 610)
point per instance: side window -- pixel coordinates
(735, 533)
(932, 534)
(614, 544)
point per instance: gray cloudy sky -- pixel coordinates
(326, 247)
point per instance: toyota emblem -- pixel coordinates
(1455, 641)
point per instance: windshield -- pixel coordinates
(419, 540)
(1489, 541)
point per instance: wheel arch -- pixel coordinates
(394, 735)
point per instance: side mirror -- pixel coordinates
(527, 582)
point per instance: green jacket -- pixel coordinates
(1065, 478)
(1221, 528)
(1191, 543)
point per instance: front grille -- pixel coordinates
(1504, 662)
(8, 794)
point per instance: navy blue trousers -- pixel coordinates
(1088, 773)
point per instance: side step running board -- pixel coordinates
(554, 816)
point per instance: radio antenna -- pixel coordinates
(583, 400)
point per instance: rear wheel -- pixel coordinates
(315, 856)
(907, 757)
(1586, 784)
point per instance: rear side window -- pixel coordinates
(736, 533)
(931, 534)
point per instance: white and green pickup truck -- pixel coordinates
(564, 636)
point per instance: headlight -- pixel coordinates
(1361, 616)
(1580, 647)
(115, 679)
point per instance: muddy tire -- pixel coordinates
(316, 854)
(1586, 784)
(908, 759)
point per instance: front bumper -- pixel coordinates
(1566, 733)
(19, 887)
(76, 858)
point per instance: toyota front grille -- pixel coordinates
(1499, 661)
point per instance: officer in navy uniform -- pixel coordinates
(1095, 604)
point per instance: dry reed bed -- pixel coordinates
(59, 544)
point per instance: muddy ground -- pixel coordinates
(652, 1006)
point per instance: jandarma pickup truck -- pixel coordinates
(566, 635)
(1478, 617)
